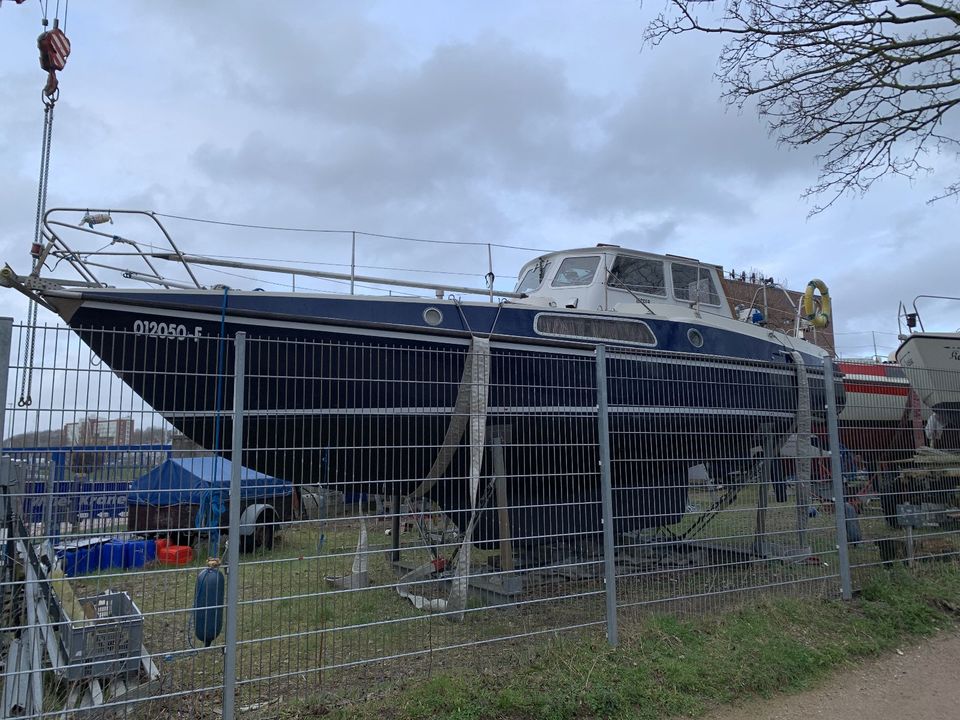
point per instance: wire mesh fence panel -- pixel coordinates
(209, 525)
(900, 450)
(718, 483)
(101, 504)
(449, 499)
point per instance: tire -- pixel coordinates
(263, 535)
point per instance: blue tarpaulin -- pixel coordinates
(188, 480)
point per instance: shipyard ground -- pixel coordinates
(918, 681)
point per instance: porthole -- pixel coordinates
(432, 316)
(695, 337)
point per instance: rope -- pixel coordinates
(804, 447)
(496, 317)
(471, 407)
(478, 353)
(29, 350)
(463, 316)
(211, 505)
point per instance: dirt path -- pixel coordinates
(922, 683)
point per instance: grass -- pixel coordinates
(666, 666)
(307, 649)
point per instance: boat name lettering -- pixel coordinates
(172, 331)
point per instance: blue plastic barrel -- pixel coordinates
(137, 553)
(82, 560)
(111, 555)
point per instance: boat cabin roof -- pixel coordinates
(602, 277)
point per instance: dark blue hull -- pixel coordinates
(363, 403)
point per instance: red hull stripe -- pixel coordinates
(878, 389)
(862, 369)
(886, 370)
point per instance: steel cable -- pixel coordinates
(29, 350)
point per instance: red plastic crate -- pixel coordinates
(175, 555)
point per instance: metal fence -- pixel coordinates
(299, 522)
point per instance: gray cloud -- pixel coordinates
(654, 236)
(489, 113)
(526, 124)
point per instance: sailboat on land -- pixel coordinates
(360, 392)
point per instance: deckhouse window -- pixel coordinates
(595, 328)
(638, 275)
(694, 284)
(532, 278)
(576, 271)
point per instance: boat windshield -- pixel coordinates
(576, 271)
(532, 278)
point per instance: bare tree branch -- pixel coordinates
(867, 81)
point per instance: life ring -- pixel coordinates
(819, 317)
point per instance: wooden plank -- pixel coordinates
(503, 515)
(96, 691)
(116, 688)
(34, 658)
(92, 695)
(137, 691)
(73, 699)
(14, 683)
(150, 668)
(54, 650)
(31, 651)
(55, 654)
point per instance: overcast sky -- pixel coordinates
(531, 124)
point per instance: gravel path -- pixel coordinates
(918, 682)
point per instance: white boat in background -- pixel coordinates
(877, 392)
(931, 361)
(883, 416)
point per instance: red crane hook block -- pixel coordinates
(54, 49)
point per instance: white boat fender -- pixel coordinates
(819, 317)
